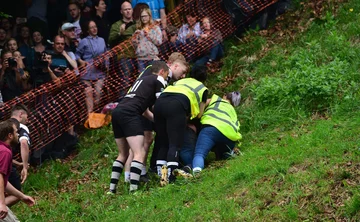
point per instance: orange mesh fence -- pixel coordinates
(58, 105)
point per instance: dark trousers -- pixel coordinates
(170, 124)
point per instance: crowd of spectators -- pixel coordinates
(83, 31)
(42, 48)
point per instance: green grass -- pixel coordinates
(300, 149)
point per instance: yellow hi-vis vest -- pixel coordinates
(222, 115)
(192, 89)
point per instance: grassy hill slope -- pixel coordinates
(300, 150)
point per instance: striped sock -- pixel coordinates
(135, 172)
(115, 174)
(171, 167)
(159, 164)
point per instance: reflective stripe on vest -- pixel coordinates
(192, 89)
(195, 90)
(222, 115)
(216, 108)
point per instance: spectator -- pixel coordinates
(2, 38)
(25, 76)
(188, 35)
(99, 8)
(68, 31)
(6, 24)
(39, 43)
(20, 114)
(25, 46)
(88, 50)
(189, 31)
(85, 7)
(11, 45)
(36, 16)
(8, 138)
(124, 28)
(11, 76)
(212, 39)
(146, 39)
(76, 18)
(220, 129)
(62, 60)
(158, 13)
(43, 73)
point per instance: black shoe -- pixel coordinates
(145, 178)
(187, 169)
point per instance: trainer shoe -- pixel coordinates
(164, 180)
(110, 193)
(144, 178)
(182, 173)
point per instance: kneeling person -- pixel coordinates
(127, 125)
(220, 129)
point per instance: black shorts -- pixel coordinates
(147, 124)
(15, 179)
(125, 123)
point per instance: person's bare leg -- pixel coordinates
(136, 144)
(98, 91)
(128, 165)
(89, 98)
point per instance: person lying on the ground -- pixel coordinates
(220, 129)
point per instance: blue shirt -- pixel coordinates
(154, 5)
(88, 49)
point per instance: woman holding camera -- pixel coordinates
(13, 77)
(92, 67)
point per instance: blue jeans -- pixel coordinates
(187, 151)
(217, 52)
(208, 138)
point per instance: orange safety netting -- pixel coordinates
(58, 105)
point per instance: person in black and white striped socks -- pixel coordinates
(115, 175)
(126, 119)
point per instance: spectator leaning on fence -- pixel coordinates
(19, 113)
(9, 137)
(146, 39)
(88, 50)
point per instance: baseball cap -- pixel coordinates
(67, 26)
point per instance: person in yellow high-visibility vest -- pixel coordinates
(177, 104)
(220, 129)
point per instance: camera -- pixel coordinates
(12, 62)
